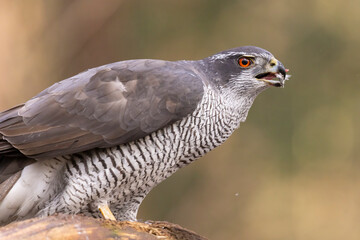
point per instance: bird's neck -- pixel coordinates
(238, 104)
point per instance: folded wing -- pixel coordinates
(102, 107)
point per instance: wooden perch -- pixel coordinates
(71, 227)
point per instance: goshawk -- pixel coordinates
(105, 137)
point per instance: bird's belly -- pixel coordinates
(123, 175)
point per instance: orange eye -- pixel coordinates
(245, 62)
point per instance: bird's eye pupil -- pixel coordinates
(244, 62)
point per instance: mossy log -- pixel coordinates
(67, 227)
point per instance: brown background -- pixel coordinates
(291, 171)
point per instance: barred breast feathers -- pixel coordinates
(131, 170)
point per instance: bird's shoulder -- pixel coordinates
(104, 106)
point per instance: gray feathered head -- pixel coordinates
(247, 69)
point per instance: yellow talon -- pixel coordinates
(106, 212)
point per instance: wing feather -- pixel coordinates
(102, 107)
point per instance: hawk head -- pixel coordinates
(248, 70)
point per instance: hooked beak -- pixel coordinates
(275, 74)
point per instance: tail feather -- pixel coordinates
(12, 160)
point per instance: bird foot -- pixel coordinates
(106, 212)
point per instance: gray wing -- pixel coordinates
(102, 107)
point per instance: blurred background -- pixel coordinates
(292, 169)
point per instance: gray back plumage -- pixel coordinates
(102, 107)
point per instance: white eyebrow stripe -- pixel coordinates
(225, 55)
(228, 54)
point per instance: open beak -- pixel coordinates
(275, 74)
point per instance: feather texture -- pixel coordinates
(102, 107)
(108, 135)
